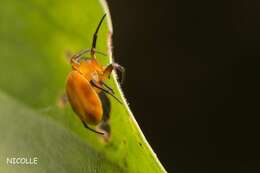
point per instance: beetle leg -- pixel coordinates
(108, 70)
(93, 83)
(63, 100)
(86, 126)
(108, 87)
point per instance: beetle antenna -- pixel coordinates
(122, 71)
(79, 54)
(93, 48)
(86, 126)
(82, 52)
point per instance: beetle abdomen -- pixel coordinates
(83, 98)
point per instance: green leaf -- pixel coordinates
(35, 37)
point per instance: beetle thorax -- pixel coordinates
(91, 69)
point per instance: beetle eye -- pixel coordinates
(95, 76)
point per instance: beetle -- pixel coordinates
(86, 81)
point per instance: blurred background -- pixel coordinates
(193, 79)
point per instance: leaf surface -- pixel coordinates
(35, 37)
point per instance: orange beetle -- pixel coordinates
(86, 81)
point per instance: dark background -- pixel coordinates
(193, 79)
